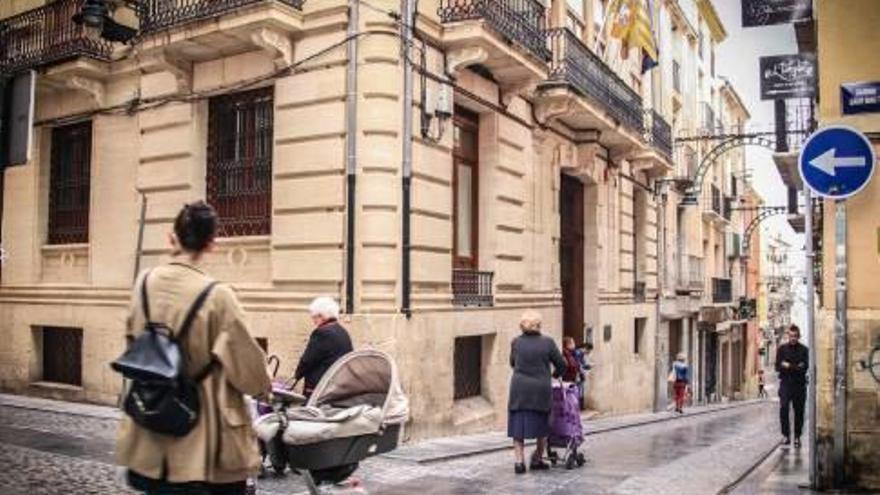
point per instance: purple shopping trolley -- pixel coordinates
(566, 429)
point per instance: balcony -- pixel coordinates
(47, 35)
(748, 309)
(603, 101)
(179, 27)
(507, 37)
(714, 210)
(793, 127)
(690, 277)
(722, 291)
(472, 288)
(661, 134)
(728, 207)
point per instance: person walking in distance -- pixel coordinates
(762, 391)
(792, 362)
(680, 378)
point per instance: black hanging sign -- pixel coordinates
(768, 12)
(788, 76)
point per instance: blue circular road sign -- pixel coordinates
(836, 162)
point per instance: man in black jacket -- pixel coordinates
(792, 361)
(329, 342)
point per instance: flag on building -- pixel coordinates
(633, 25)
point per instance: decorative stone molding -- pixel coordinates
(180, 68)
(276, 44)
(508, 93)
(462, 58)
(550, 107)
(93, 88)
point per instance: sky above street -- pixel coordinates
(738, 61)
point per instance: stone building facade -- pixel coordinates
(532, 181)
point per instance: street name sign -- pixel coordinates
(861, 97)
(837, 162)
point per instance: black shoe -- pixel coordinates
(538, 466)
(797, 443)
(786, 441)
(519, 468)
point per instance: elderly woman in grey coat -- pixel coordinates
(531, 355)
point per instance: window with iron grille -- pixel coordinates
(468, 366)
(239, 171)
(70, 184)
(62, 355)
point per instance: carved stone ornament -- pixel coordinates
(93, 88)
(276, 44)
(550, 107)
(462, 58)
(508, 93)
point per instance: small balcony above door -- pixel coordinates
(47, 36)
(587, 95)
(506, 37)
(201, 30)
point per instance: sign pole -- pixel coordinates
(840, 345)
(811, 333)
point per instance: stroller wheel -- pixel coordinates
(581, 460)
(553, 456)
(570, 462)
(333, 475)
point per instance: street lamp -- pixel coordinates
(95, 14)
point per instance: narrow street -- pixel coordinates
(48, 452)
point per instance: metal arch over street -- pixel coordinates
(728, 142)
(764, 212)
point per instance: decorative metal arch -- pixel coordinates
(764, 212)
(728, 143)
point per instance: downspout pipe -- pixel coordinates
(406, 27)
(351, 106)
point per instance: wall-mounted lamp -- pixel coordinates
(96, 14)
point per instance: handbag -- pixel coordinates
(162, 397)
(671, 377)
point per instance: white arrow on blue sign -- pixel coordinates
(837, 162)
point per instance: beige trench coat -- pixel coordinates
(222, 447)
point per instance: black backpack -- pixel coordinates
(162, 397)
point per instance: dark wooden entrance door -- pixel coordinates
(571, 256)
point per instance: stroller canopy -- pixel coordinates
(366, 377)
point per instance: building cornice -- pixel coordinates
(716, 27)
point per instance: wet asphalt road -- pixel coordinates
(51, 453)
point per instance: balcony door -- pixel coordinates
(465, 174)
(571, 256)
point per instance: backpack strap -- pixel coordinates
(193, 311)
(145, 300)
(187, 324)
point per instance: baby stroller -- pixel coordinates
(566, 429)
(283, 397)
(356, 411)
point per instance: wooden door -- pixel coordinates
(465, 206)
(571, 256)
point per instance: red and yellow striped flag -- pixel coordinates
(633, 27)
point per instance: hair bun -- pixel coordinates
(196, 226)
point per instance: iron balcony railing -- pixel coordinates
(728, 208)
(523, 22)
(661, 132)
(639, 290)
(472, 288)
(156, 15)
(690, 276)
(47, 35)
(722, 290)
(577, 65)
(716, 200)
(748, 308)
(795, 126)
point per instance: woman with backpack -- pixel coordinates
(212, 449)
(679, 377)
